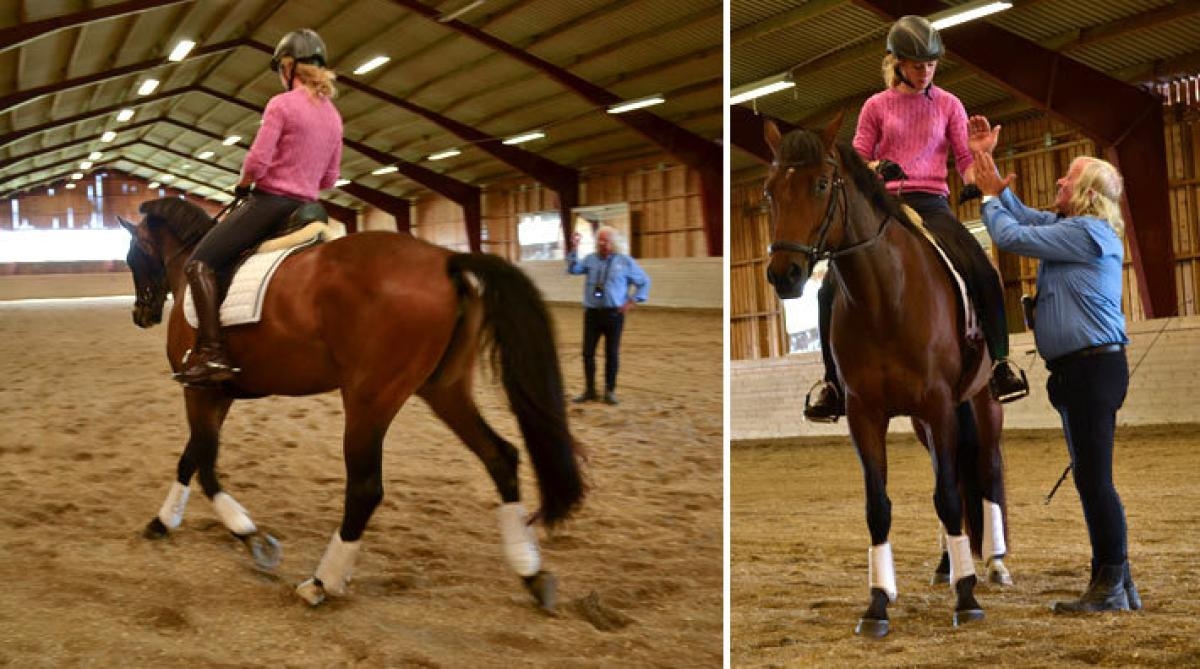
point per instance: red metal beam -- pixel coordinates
(17, 35)
(1125, 121)
(398, 207)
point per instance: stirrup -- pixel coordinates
(1012, 395)
(212, 374)
(831, 417)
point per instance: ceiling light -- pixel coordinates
(446, 18)
(761, 87)
(153, 184)
(232, 139)
(124, 115)
(623, 107)
(966, 12)
(372, 64)
(442, 155)
(386, 170)
(108, 136)
(77, 176)
(85, 165)
(147, 87)
(527, 137)
(167, 177)
(181, 50)
(94, 155)
(204, 155)
(70, 185)
(340, 182)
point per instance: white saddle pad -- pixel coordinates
(244, 301)
(971, 324)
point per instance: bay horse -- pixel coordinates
(380, 316)
(900, 343)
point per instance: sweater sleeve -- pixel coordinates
(956, 133)
(866, 134)
(262, 151)
(333, 171)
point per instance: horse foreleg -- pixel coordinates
(454, 405)
(366, 426)
(989, 417)
(869, 431)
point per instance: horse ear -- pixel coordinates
(130, 227)
(829, 134)
(773, 136)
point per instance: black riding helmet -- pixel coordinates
(914, 38)
(304, 45)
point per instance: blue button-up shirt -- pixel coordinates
(617, 272)
(1079, 280)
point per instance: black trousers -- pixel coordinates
(1087, 391)
(607, 323)
(256, 220)
(964, 251)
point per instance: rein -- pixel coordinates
(821, 251)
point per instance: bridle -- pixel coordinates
(821, 250)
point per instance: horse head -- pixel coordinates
(802, 191)
(145, 260)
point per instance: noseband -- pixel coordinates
(821, 250)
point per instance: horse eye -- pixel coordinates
(822, 185)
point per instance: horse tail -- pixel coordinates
(969, 478)
(520, 336)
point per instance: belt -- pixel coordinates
(1085, 353)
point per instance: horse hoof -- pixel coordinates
(311, 591)
(997, 573)
(871, 628)
(544, 588)
(264, 549)
(155, 529)
(967, 616)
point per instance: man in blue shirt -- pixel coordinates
(1080, 332)
(610, 273)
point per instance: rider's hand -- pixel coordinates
(890, 171)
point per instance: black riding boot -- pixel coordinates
(1106, 592)
(827, 405)
(207, 363)
(1135, 600)
(1008, 383)
(829, 402)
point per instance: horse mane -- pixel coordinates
(804, 147)
(187, 221)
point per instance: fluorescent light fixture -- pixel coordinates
(147, 87)
(761, 87)
(388, 169)
(69, 185)
(446, 18)
(232, 139)
(108, 136)
(527, 137)
(95, 155)
(340, 182)
(442, 155)
(167, 177)
(372, 64)
(623, 107)
(153, 185)
(205, 155)
(77, 176)
(85, 165)
(124, 115)
(966, 12)
(181, 50)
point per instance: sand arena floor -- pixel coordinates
(799, 559)
(92, 427)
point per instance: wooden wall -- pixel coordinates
(1039, 151)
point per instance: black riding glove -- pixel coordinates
(890, 171)
(969, 192)
(242, 191)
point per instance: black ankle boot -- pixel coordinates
(1131, 593)
(207, 363)
(826, 406)
(1008, 384)
(1106, 592)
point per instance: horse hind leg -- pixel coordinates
(941, 573)
(454, 406)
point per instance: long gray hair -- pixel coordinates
(619, 244)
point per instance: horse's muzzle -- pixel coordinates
(146, 316)
(787, 276)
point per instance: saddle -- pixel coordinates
(305, 223)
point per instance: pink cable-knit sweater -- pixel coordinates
(917, 132)
(298, 150)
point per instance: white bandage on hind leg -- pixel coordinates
(881, 571)
(519, 539)
(961, 562)
(171, 513)
(233, 515)
(993, 531)
(337, 564)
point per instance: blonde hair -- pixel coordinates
(1097, 193)
(317, 79)
(890, 63)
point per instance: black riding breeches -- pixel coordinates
(608, 323)
(256, 220)
(1087, 391)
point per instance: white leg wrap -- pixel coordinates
(881, 571)
(171, 512)
(993, 530)
(337, 564)
(961, 562)
(519, 539)
(233, 515)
